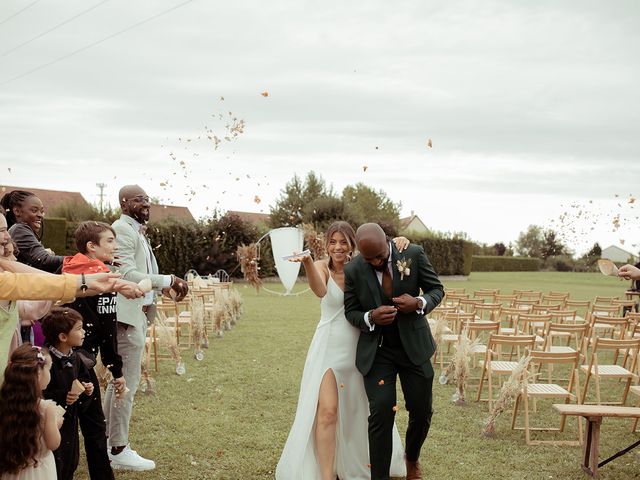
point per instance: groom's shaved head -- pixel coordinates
(372, 244)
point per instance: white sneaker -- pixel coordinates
(130, 460)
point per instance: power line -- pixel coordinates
(18, 12)
(7, 52)
(86, 47)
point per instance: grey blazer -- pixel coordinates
(133, 267)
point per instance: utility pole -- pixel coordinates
(101, 187)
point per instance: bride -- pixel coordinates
(329, 433)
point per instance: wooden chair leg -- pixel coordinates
(527, 433)
(514, 415)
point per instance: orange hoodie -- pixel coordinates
(80, 263)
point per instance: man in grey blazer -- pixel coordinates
(137, 262)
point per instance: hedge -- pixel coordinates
(55, 234)
(487, 263)
(205, 246)
(448, 257)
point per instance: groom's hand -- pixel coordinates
(406, 303)
(384, 315)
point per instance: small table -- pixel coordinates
(594, 414)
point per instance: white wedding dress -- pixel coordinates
(333, 347)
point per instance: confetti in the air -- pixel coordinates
(265, 94)
(429, 143)
(364, 168)
(257, 199)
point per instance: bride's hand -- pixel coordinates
(401, 243)
(304, 259)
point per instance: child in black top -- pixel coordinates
(96, 244)
(62, 328)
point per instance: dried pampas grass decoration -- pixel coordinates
(197, 325)
(315, 241)
(508, 393)
(248, 258)
(440, 328)
(459, 369)
(168, 337)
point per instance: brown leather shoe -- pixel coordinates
(413, 470)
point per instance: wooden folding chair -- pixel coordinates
(604, 300)
(489, 312)
(545, 308)
(486, 295)
(581, 307)
(455, 321)
(602, 371)
(554, 300)
(534, 324)
(509, 317)
(453, 299)
(480, 333)
(537, 390)
(525, 304)
(494, 365)
(468, 305)
(505, 299)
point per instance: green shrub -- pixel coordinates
(448, 256)
(504, 264)
(55, 234)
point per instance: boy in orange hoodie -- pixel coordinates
(96, 243)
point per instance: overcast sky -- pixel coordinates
(532, 107)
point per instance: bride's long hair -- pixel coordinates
(345, 229)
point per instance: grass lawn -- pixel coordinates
(229, 416)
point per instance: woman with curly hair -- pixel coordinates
(28, 423)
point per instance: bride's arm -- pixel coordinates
(316, 275)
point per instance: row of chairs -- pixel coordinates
(209, 309)
(602, 344)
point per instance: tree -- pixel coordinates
(592, 256)
(551, 245)
(500, 249)
(364, 204)
(295, 196)
(529, 243)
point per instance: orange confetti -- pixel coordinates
(256, 199)
(395, 408)
(265, 94)
(381, 382)
(632, 199)
(429, 143)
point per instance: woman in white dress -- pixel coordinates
(329, 434)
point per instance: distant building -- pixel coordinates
(413, 224)
(53, 198)
(617, 254)
(252, 217)
(50, 198)
(159, 212)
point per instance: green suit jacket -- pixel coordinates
(363, 293)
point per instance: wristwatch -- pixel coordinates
(83, 286)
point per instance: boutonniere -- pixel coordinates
(403, 267)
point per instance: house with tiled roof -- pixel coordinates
(159, 212)
(252, 217)
(617, 254)
(414, 224)
(50, 198)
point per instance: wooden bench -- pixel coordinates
(594, 414)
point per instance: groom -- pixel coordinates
(382, 299)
